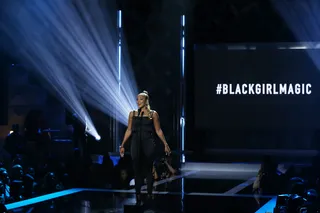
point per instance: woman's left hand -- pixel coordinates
(167, 149)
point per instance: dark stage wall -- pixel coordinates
(152, 33)
(259, 122)
(4, 69)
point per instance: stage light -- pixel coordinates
(35, 39)
(303, 20)
(98, 138)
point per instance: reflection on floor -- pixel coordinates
(206, 188)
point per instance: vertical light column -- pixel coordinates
(182, 194)
(119, 48)
(182, 89)
(116, 123)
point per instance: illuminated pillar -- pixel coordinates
(116, 123)
(182, 89)
(119, 48)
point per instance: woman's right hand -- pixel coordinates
(122, 152)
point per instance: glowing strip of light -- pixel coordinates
(182, 118)
(183, 21)
(43, 198)
(182, 194)
(119, 47)
(268, 207)
(116, 129)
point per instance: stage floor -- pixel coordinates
(219, 188)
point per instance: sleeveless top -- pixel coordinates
(144, 123)
(142, 135)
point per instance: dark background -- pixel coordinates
(234, 121)
(246, 122)
(4, 69)
(152, 35)
(254, 111)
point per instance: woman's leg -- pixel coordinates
(148, 149)
(149, 175)
(137, 168)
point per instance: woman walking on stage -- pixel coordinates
(142, 124)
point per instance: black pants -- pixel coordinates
(143, 169)
(142, 153)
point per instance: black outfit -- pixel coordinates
(142, 151)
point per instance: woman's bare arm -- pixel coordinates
(128, 131)
(156, 123)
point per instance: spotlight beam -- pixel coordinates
(100, 69)
(94, 59)
(303, 19)
(38, 50)
(85, 39)
(122, 102)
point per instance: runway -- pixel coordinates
(201, 188)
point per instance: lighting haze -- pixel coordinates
(303, 20)
(33, 38)
(86, 41)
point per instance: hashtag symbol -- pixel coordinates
(218, 89)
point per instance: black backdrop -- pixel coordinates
(152, 35)
(4, 69)
(273, 122)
